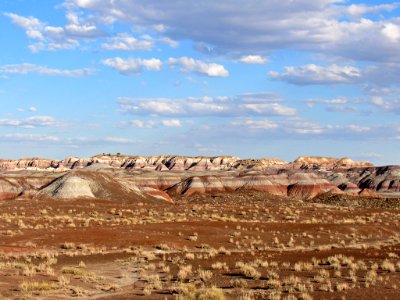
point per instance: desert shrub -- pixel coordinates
(388, 266)
(184, 272)
(239, 283)
(248, 270)
(31, 286)
(203, 294)
(205, 275)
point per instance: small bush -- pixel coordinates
(31, 286)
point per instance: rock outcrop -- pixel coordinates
(9, 190)
(84, 184)
(178, 163)
(295, 185)
(328, 163)
(165, 177)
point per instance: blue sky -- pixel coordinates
(250, 79)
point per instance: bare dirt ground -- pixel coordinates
(222, 246)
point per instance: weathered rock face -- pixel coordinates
(69, 187)
(381, 179)
(297, 185)
(329, 163)
(178, 163)
(9, 190)
(304, 190)
(350, 187)
(83, 184)
(369, 193)
(163, 177)
(258, 164)
(27, 164)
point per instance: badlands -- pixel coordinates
(175, 227)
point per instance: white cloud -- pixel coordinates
(26, 68)
(294, 128)
(339, 100)
(253, 59)
(379, 100)
(188, 64)
(256, 124)
(314, 74)
(358, 128)
(46, 139)
(127, 43)
(31, 122)
(159, 106)
(115, 140)
(150, 124)
(362, 9)
(32, 109)
(141, 124)
(331, 27)
(171, 123)
(241, 105)
(370, 155)
(53, 38)
(342, 108)
(269, 108)
(260, 98)
(170, 42)
(19, 137)
(392, 32)
(133, 65)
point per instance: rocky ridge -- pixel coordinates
(178, 163)
(168, 177)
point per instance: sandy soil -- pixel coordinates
(248, 245)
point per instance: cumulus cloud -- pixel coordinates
(188, 64)
(20, 137)
(128, 43)
(141, 124)
(242, 105)
(362, 9)
(171, 123)
(256, 124)
(370, 155)
(253, 59)
(331, 27)
(269, 108)
(150, 124)
(366, 104)
(27, 68)
(64, 141)
(339, 100)
(132, 66)
(31, 122)
(314, 74)
(81, 141)
(45, 37)
(300, 128)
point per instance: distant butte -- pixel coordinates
(165, 178)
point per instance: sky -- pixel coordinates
(244, 78)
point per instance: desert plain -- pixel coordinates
(171, 227)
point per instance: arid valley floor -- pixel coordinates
(199, 228)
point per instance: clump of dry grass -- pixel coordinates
(184, 272)
(205, 275)
(239, 283)
(388, 266)
(42, 286)
(212, 293)
(248, 270)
